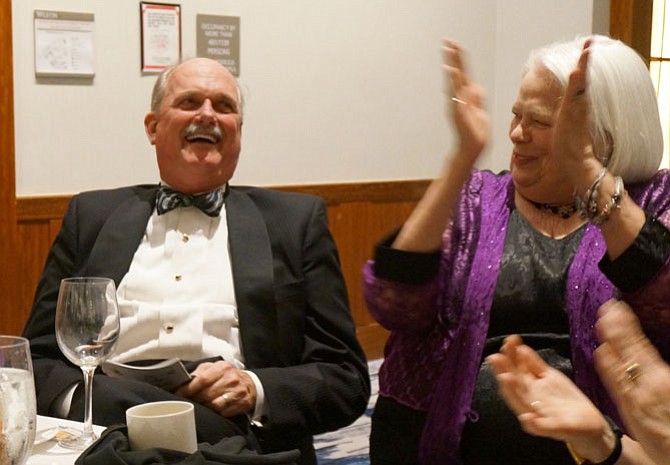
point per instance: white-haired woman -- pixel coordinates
(581, 217)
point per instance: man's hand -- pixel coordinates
(221, 387)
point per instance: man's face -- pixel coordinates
(197, 131)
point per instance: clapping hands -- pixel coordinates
(464, 103)
(547, 403)
(573, 142)
(636, 377)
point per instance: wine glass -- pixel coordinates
(87, 328)
(17, 400)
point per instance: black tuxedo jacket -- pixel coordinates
(296, 329)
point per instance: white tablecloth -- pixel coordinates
(50, 453)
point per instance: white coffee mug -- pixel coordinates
(166, 425)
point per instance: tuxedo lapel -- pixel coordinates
(252, 264)
(120, 236)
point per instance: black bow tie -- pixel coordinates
(210, 202)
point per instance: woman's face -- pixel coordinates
(531, 131)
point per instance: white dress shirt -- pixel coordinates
(177, 298)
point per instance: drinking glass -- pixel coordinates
(87, 328)
(17, 401)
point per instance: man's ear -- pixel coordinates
(150, 123)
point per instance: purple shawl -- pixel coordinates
(438, 329)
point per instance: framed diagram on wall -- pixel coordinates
(161, 35)
(63, 44)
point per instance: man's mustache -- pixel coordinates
(207, 131)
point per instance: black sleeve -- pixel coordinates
(642, 260)
(403, 266)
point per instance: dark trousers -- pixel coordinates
(396, 433)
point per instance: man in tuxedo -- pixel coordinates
(245, 278)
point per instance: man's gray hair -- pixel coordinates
(160, 89)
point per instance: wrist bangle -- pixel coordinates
(614, 202)
(579, 460)
(613, 457)
(587, 205)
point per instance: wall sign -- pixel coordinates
(218, 38)
(161, 36)
(64, 44)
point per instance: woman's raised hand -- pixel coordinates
(424, 229)
(573, 143)
(464, 103)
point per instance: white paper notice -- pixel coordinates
(64, 44)
(161, 36)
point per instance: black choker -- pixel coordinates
(564, 211)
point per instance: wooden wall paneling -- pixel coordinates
(630, 22)
(42, 207)
(34, 243)
(9, 283)
(54, 227)
(373, 340)
(357, 227)
(359, 215)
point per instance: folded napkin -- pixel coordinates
(113, 449)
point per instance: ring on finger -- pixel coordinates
(225, 398)
(633, 371)
(458, 100)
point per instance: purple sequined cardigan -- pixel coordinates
(438, 329)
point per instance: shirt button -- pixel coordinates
(168, 327)
(184, 238)
(177, 278)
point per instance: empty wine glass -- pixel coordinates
(87, 328)
(17, 401)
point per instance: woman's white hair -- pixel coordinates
(625, 123)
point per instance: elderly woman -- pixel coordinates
(582, 216)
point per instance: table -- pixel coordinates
(49, 452)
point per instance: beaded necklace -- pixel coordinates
(563, 211)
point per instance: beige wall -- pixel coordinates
(337, 90)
